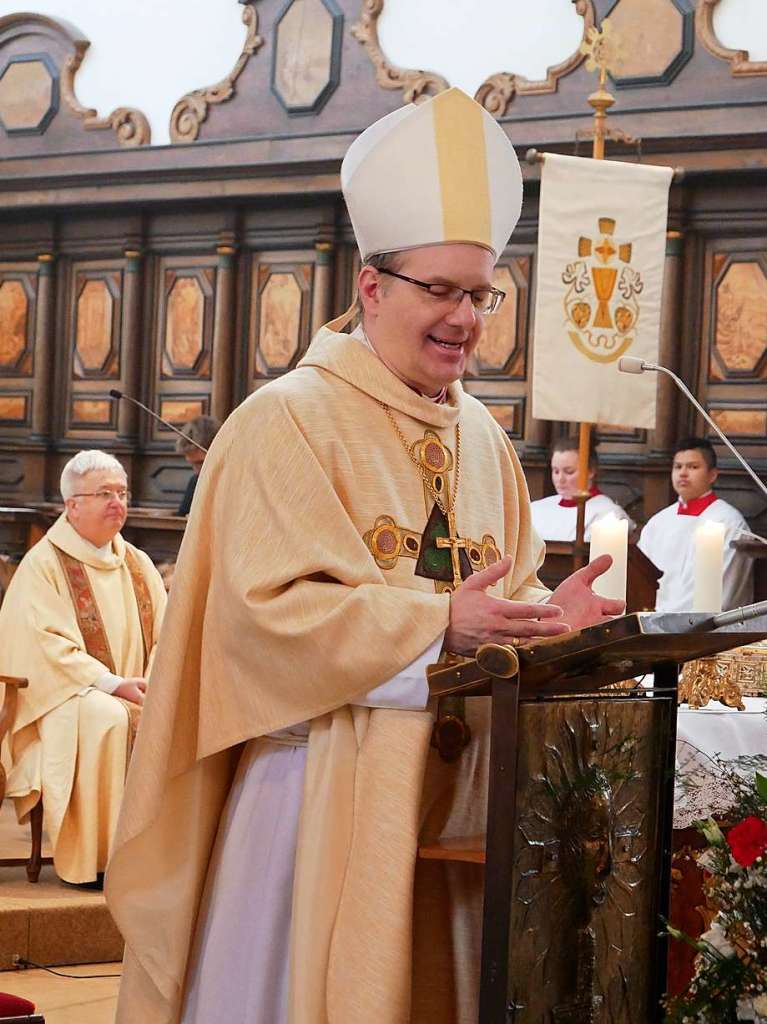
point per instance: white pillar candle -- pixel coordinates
(610, 536)
(709, 567)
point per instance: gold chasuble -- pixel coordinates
(72, 614)
(309, 574)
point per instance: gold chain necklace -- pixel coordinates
(452, 541)
(450, 506)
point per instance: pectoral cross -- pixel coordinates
(455, 543)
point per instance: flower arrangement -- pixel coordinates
(730, 980)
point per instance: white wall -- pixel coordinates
(467, 40)
(742, 25)
(149, 53)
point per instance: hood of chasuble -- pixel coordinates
(66, 537)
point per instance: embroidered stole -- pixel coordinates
(92, 625)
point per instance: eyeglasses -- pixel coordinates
(106, 495)
(484, 300)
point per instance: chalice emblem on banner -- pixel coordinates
(601, 301)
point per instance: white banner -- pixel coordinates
(601, 250)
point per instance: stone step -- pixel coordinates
(51, 922)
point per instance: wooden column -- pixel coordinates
(44, 349)
(662, 439)
(322, 295)
(223, 334)
(130, 347)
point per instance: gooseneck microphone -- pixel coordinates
(114, 393)
(631, 364)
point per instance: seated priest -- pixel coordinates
(354, 519)
(80, 621)
(668, 539)
(554, 517)
(198, 434)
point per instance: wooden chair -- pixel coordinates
(12, 685)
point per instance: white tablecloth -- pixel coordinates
(703, 733)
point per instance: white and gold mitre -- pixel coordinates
(440, 171)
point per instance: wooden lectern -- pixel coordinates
(580, 810)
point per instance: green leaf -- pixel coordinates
(761, 786)
(711, 831)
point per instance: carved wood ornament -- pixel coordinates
(129, 125)
(192, 109)
(415, 85)
(739, 59)
(497, 92)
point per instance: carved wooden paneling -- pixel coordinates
(656, 40)
(503, 345)
(97, 325)
(510, 415)
(94, 301)
(14, 409)
(29, 94)
(185, 288)
(280, 303)
(181, 410)
(189, 301)
(740, 318)
(93, 412)
(743, 422)
(17, 308)
(732, 365)
(307, 54)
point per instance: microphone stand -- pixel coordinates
(114, 393)
(686, 391)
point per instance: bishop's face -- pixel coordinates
(425, 340)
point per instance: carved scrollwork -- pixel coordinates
(497, 92)
(130, 125)
(192, 109)
(740, 64)
(415, 85)
(727, 677)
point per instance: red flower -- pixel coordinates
(748, 840)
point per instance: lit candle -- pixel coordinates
(709, 567)
(610, 536)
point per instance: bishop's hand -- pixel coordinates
(580, 605)
(477, 618)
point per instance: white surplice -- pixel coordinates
(668, 540)
(244, 921)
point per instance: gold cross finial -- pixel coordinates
(602, 50)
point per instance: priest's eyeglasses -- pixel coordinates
(484, 300)
(106, 495)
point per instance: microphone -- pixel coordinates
(631, 364)
(114, 393)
